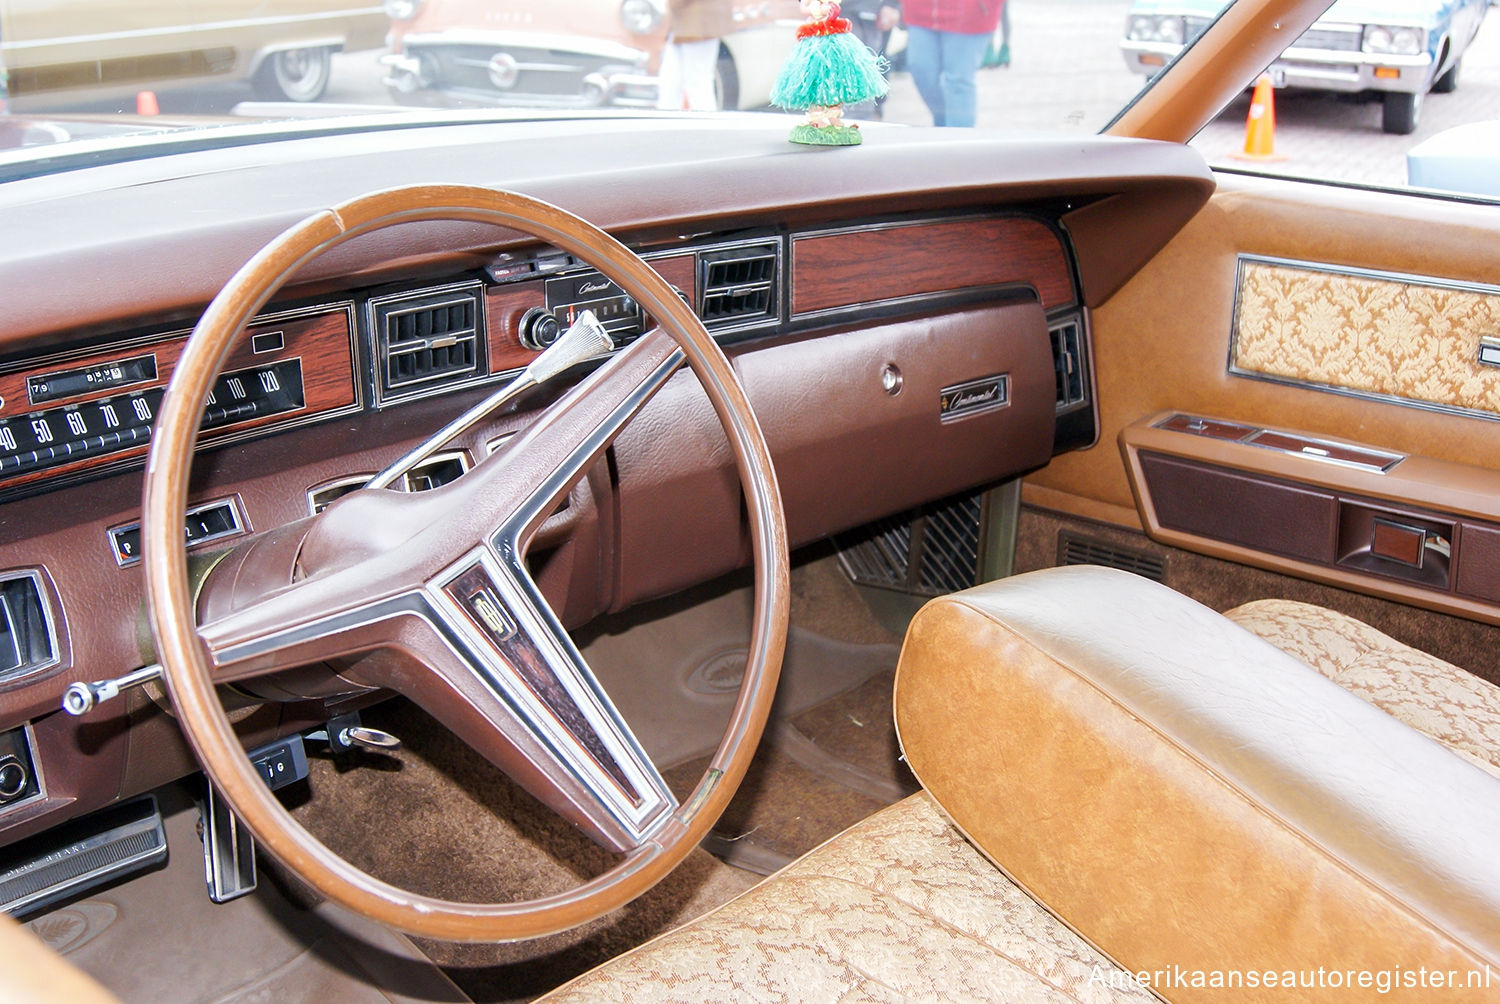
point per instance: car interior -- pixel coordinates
(636, 558)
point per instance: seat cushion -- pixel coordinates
(1432, 696)
(898, 908)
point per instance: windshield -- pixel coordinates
(1366, 86)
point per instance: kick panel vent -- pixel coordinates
(738, 285)
(931, 551)
(428, 340)
(1077, 549)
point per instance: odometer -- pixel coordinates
(49, 387)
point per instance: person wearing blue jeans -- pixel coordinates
(945, 44)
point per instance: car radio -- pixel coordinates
(569, 295)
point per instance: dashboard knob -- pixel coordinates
(539, 329)
(14, 778)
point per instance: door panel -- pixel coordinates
(1327, 351)
(1162, 343)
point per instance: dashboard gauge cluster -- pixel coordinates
(55, 436)
(68, 415)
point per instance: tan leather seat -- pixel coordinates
(1184, 797)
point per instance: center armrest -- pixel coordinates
(1182, 793)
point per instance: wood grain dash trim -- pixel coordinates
(905, 260)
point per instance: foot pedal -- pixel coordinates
(82, 855)
(228, 849)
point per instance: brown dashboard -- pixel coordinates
(900, 343)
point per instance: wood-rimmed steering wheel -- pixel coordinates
(436, 586)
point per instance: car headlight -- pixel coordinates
(1395, 39)
(1155, 28)
(640, 17)
(402, 10)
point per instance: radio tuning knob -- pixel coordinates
(14, 778)
(539, 329)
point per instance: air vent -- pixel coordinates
(428, 340)
(929, 552)
(1076, 549)
(26, 640)
(738, 285)
(1067, 362)
(434, 472)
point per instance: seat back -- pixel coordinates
(1196, 803)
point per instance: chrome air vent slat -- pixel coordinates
(738, 285)
(428, 339)
(1079, 549)
(926, 552)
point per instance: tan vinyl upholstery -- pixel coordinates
(1186, 795)
(1183, 795)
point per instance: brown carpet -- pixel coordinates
(439, 820)
(1223, 585)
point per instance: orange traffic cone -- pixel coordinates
(145, 103)
(1260, 125)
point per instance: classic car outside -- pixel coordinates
(1397, 49)
(1464, 159)
(569, 53)
(284, 48)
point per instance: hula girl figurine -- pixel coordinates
(828, 69)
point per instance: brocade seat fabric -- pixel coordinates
(1456, 708)
(1176, 790)
(897, 908)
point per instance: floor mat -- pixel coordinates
(858, 728)
(440, 820)
(156, 937)
(812, 778)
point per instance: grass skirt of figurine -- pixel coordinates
(827, 70)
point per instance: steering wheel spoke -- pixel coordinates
(500, 671)
(551, 455)
(304, 624)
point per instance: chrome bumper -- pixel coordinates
(509, 69)
(1317, 69)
